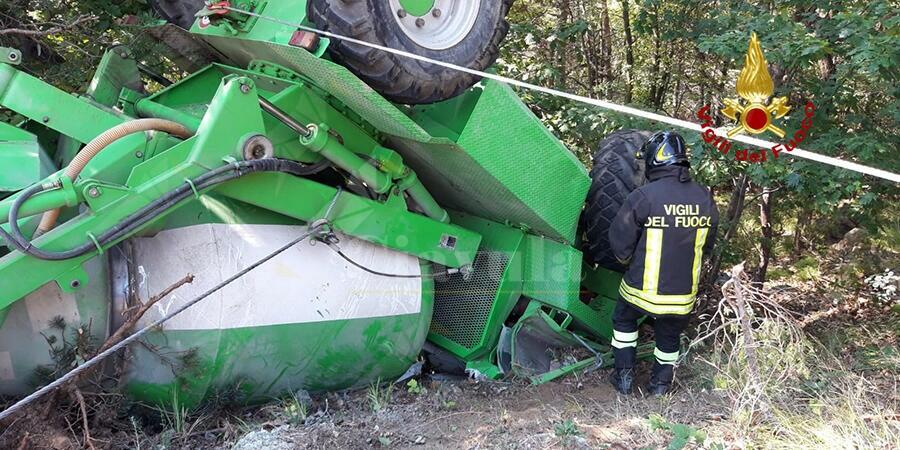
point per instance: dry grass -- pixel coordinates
(786, 389)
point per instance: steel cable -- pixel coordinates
(797, 152)
(124, 342)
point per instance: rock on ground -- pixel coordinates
(274, 439)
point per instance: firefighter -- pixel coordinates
(662, 232)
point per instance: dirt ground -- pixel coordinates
(575, 412)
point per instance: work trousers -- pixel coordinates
(667, 329)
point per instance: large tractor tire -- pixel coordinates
(467, 33)
(179, 12)
(616, 172)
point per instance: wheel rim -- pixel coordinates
(446, 24)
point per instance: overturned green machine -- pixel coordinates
(446, 212)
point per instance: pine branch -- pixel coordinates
(57, 28)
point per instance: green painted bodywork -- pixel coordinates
(417, 8)
(260, 363)
(471, 161)
(461, 184)
(21, 151)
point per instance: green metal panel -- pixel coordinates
(508, 141)
(23, 347)
(385, 225)
(58, 110)
(259, 363)
(20, 151)
(553, 276)
(468, 314)
(117, 69)
(490, 172)
(255, 364)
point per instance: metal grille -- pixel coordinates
(462, 308)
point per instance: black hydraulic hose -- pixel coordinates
(140, 217)
(16, 239)
(151, 210)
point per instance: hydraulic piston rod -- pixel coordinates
(282, 116)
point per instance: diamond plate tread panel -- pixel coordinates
(496, 171)
(462, 308)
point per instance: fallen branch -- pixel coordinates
(133, 320)
(24, 443)
(123, 331)
(737, 274)
(85, 429)
(70, 387)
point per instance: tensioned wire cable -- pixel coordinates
(131, 338)
(756, 142)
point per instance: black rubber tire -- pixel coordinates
(616, 172)
(179, 12)
(405, 80)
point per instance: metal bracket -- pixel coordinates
(10, 56)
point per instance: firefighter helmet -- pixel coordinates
(664, 148)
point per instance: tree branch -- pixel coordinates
(80, 20)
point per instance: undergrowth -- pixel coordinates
(789, 390)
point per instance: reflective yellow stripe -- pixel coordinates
(625, 337)
(623, 340)
(698, 257)
(657, 303)
(652, 259)
(665, 358)
(659, 299)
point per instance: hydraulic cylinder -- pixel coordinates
(319, 141)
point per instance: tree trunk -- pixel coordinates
(730, 221)
(803, 217)
(765, 225)
(657, 78)
(605, 47)
(587, 50)
(629, 52)
(560, 52)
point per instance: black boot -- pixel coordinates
(621, 379)
(660, 379)
(623, 375)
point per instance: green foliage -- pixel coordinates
(296, 408)
(177, 415)
(566, 429)
(380, 395)
(842, 56)
(69, 347)
(412, 386)
(778, 273)
(807, 268)
(683, 434)
(85, 29)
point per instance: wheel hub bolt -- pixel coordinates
(436, 12)
(401, 13)
(420, 22)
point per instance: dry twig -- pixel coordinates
(56, 28)
(79, 398)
